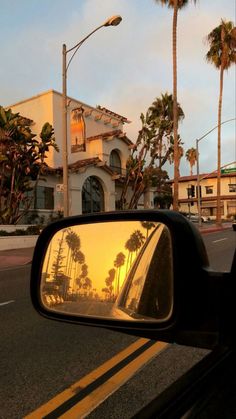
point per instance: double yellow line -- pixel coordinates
(86, 394)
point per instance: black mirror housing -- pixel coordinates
(193, 318)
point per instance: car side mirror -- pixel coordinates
(141, 272)
(117, 269)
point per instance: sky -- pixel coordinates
(99, 258)
(122, 68)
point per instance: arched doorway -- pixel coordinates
(92, 196)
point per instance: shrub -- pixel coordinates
(34, 229)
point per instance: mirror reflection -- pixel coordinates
(119, 269)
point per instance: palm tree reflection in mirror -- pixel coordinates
(84, 272)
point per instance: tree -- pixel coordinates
(155, 142)
(163, 198)
(148, 225)
(109, 290)
(222, 54)
(79, 259)
(22, 162)
(58, 264)
(139, 239)
(73, 243)
(191, 157)
(83, 281)
(59, 278)
(118, 262)
(133, 244)
(161, 120)
(130, 246)
(176, 5)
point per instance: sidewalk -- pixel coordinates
(19, 257)
(16, 257)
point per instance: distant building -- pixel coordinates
(97, 153)
(208, 182)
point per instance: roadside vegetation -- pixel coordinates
(158, 140)
(22, 163)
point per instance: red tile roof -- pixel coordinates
(115, 133)
(79, 164)
(111, 113)
(202, 175)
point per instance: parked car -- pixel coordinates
(194, 306)
(195, 218)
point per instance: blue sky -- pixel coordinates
(123, 68)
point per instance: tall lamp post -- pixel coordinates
(198, 175)
(112, 21)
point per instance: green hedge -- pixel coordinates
(30, 231)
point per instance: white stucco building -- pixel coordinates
(208, 194)
(97, 153)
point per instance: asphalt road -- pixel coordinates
(220, 249)
(39, 358)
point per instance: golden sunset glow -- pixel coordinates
(88, 268)
(100, 244)
(90, 262)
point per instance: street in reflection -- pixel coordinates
(88, 267)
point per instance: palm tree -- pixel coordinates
(138, 239)
(73, 242)
(147, 225)
(130, 246)
(107, 292)
(161, 120)
(222, 54)
(180, 153)
(176, 5)
(83, 282)
(87, 285)
(79, 259)
(109, 284)
(133, 244)
(191, 157)
(119, 261)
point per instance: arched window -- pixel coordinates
(92, 196)
(115, 163)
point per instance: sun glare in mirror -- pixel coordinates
(120, 269)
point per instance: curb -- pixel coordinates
(214, 229)
(11, 264)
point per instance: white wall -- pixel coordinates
(47, 107)
(76, 185)
(17, 242)
(93, 127)
(40, 109)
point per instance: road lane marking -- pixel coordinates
(7, 302)
(85, 395)
(220, 240)
(94, 399)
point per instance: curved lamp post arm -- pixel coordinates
(224, 122)
(77, 46)
(112, 21)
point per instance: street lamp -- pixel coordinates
(198, 175)
(112, 21)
